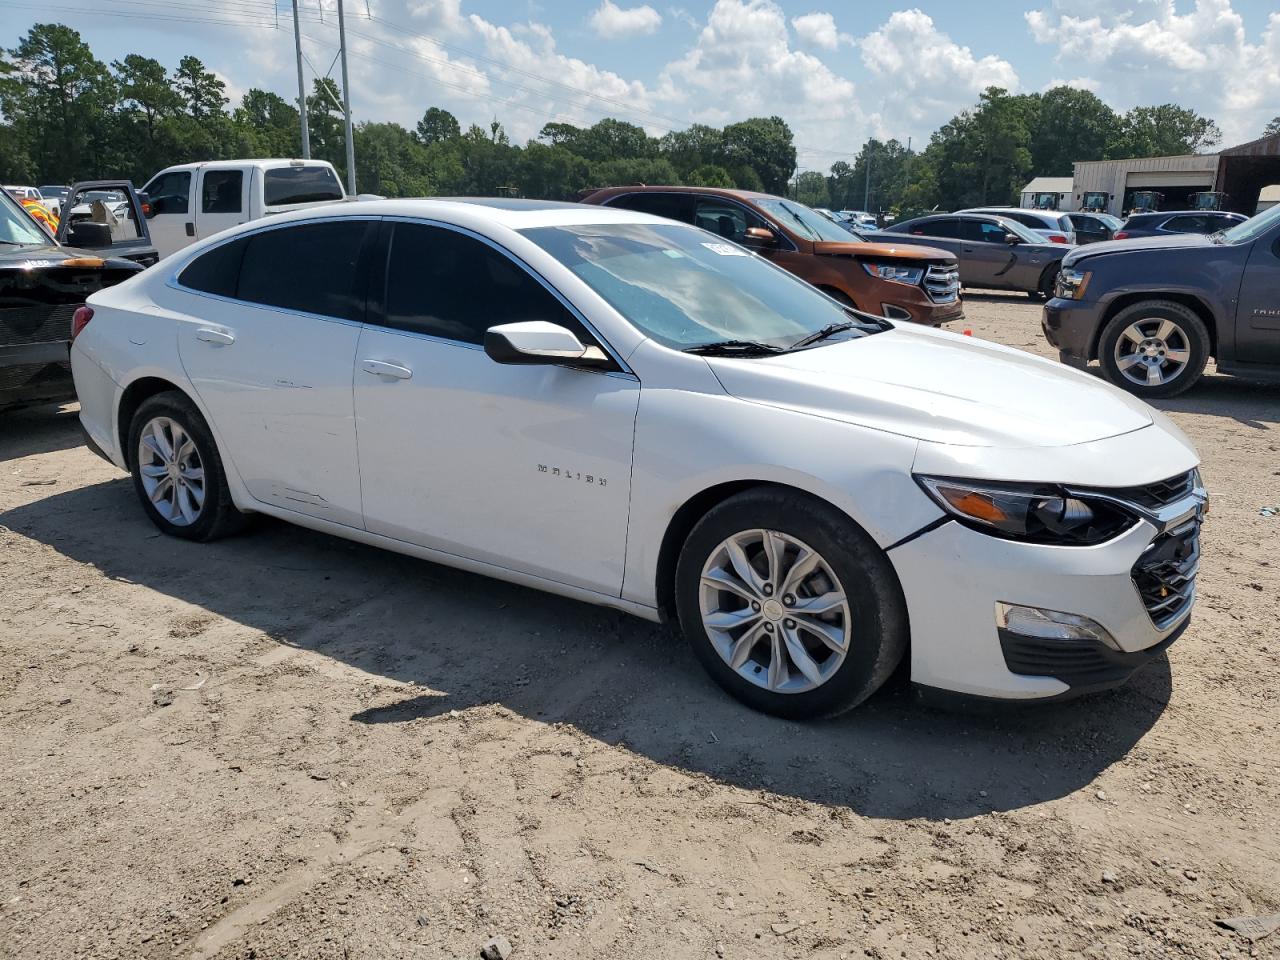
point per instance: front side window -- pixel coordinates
(446, 284)
(685, 289)
(285, 185)
(220, 191)
(17, 229)
(726, 218)
(309, 267)
(800, 219)
(170, 192)
(982, 231)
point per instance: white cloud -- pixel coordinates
(818, 29)
(612, 21)
(1202, 59)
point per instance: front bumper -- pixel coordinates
(1072, 326)
(953, 577)
(34, 373)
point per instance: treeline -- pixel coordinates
(65, 115)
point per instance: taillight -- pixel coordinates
(1120, 235)
(80, 319)
(1057, 238)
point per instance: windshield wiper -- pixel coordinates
(830, 330)
(733, 348)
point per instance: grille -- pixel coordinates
(36, 324)
(942, 284)
(1153, 496)
(1165, 574)
(1080, 664)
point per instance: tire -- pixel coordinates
(871, 617)
(1159, 334)
(174, 499)
(1048, 280)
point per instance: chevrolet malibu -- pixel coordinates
(638, 413)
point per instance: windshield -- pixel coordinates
(55, 193)
(16, 227)
(1024, 232)
(808, 223)
(1253, 227)
(1115, 223)
(684, 288)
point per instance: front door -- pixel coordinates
(1258, 314)
(525, 467)
(986, 252)
(224, 200)
(272, 360)
(173, 221)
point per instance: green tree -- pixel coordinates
(391, 161)
(1272, 128)
(889, 162)
(763, 143)
(438, 126)
(811, 189)
(694, 147)
(626, 171)
(267, 125)
(59, 100)
(551, 172)
(1069, 125)
(709, 175)
(202, 93)
(1163, 131)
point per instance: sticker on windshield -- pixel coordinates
(726, 249)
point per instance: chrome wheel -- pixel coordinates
(1152, 352)
(774, 611)
(172, 472)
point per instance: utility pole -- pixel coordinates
(346, 104)
(866, 193)
(302, 86)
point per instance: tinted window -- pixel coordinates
(446, 284)
(1193, 223)
(982, 231)
(220, 191)
(948, 227)
(285, 185)
(170, 192)
(312, 267)
(725, 218)
(217, 271)
(674, 206)
(1217, 221)
(1029, 220)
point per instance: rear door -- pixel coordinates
(272, 324)
(223, 194)
(1258, 316)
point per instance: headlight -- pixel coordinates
(1036, 513)
(891, 271)
(1072, 283)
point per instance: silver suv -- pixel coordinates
(1053, 225)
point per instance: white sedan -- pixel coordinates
(636, 413)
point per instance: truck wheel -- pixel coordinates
(789, 605)
(177, 472)
(1158, 348)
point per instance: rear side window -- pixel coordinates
(285, 185)
(1194, 223)
(673, 206)
(170, 192)
(311, 267)
(445, 284)
(217, 271)
(949, 227)
(220, 191)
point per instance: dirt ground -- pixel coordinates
(287, 746)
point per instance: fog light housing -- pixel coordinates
(1051, 624)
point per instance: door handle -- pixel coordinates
(380, 368)
(191, 229)
(219, 337)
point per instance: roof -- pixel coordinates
(1268, 146)
(1049, 185)
(659, 188)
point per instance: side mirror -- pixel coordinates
(89, 235)
(761, 235)
(1012, 239)
(540, 342)
(149, 209)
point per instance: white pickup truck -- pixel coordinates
(192, 201)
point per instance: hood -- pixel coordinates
(905, 251)
(1171, 242)
(940, 387)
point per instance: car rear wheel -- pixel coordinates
(1154, 349)
(177, 472)
(789, 605)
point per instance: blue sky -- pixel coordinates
(837, 70)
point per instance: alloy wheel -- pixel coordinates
(775, 611)
(1152, 351)
(172, 472)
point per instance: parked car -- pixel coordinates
(994, 252)
(1168, 222)
(42, 283)
(53, 197)
(1094, 227)
(196, 200)
(899, 282)
(622, 409)
(24, 193)
(860, 219)
(1051, 225)
(1153, 310)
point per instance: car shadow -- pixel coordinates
(465, 640)
(28, 431)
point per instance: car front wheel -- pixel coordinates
(177, 472)
(1154, 349)
(789, 605)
